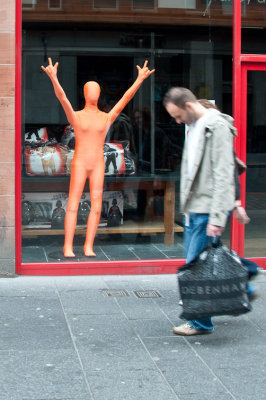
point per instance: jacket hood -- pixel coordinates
(215, 115)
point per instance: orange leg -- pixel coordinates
(96, 177)
(77, 182)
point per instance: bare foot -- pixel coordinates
(89, 253)
(68, 253)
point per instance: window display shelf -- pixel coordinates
(149, 183)
(127, 227)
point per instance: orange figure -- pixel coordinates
(90, 126)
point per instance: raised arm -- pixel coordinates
(143, 73)
(51, 71)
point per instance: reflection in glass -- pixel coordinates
(256, 163)
(140, 213)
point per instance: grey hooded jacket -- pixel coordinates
(211, 188)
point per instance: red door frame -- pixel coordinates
(248, 63)
(241, 63)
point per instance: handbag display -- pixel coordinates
(214, 283)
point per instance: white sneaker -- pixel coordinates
(188, 330)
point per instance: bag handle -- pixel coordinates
(216, 241)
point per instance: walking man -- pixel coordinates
(207, 188)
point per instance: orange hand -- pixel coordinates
(144, 72)
(51, 70)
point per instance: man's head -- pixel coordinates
(182, 105)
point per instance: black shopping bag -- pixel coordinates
(214, 283)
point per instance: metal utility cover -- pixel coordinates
(150, 294)
(114, 292)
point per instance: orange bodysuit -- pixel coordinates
(90, 126)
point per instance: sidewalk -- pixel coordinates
(64, 338)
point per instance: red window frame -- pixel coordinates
(71, 267)
(168, 266)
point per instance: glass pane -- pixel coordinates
(28, 4)
(253, 26)
(105, 3)
(255, 237)
(140, 167)
(140, 216)
(166, 12)
(143, 4)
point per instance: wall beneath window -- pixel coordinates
(7, 136)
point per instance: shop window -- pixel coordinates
(28, 4)
(54, 4)
(112, 4)
(173, 4)
(140, 216)
(142, 158)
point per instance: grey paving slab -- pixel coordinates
(23, 306)
(69, 283)
(110, 356)
(173, 356)
(38, 332)
(107, 329)
(139, 308)
(160, 282)
(195, 396)
(257, 316)
(131, 385)
(131, 283)
(238, 347)
(253, 383)
(169, 301)
(80, 302)
(26, 286)
(152, 327)
(61, 338)
(245, 346)
(44, 291)
(46, 375)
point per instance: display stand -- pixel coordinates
(151, 224)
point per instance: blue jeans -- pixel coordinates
(195, 240)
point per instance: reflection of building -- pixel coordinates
(189, 46)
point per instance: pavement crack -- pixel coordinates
(74, 344)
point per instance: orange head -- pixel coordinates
(92, 92)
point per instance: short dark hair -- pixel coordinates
(179, 96)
